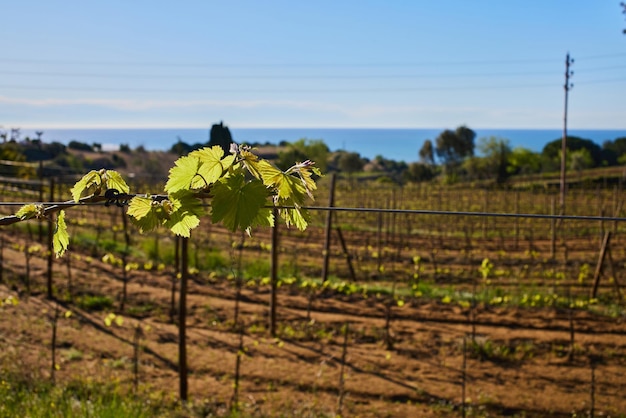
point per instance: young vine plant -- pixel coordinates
(239, 186)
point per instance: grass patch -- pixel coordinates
(95, 302)
(24, 397)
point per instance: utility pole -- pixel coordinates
(567, 86)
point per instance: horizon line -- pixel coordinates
(208, 127)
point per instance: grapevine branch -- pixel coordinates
(112, 196)
(239, 186)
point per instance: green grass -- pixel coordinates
(22, 397)
(94, 302)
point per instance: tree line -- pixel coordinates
(454, 155)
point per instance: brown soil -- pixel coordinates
(519, 363)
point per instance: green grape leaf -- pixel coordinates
(237, 204)
(289, 187)
(185, 214)
(90, 184)
(28, 211)
(183, 176)
(145, 214)
(114, 180)
(60, 238)
(264, 218)
(212, 164)
(297, 217)
(305, 172)
(251, 162)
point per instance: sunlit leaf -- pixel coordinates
(238, 204)
(186, 213)
(305, 172)
(145, 213)
(287, 187)
(28, 211)
(115, 181)
(297, 217)
(251, 162)
(183, 174)
(90, 184)
(60, 238)
(212, 165)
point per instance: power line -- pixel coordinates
(275, 90)
(272, 65)
(170, 64)
(272, 77)
(290, 76)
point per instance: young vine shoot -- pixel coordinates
(239, 186)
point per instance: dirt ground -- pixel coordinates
(518, 361)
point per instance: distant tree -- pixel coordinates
(475, 168)
(623, 6)
(613, 150)
(180, 148)
(350, 162)
(302, 150)
(552, 150)
(496, 152)
(523, 161)
(453, 146)
(220, 135)
(79, 146)
(15, 134)
(427, 153)
(579, 160)
(417, 172)
(125, 148)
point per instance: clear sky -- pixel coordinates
(351, 63)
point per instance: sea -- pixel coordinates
(393, 144)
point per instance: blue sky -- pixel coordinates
(410, 64)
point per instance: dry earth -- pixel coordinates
(518, 366)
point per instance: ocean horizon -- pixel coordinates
(399, 144)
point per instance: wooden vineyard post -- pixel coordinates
(379, 245)
(239, 279)
(328, 228)
(53, 343)
(516, 220)
(50, 245)
(182, 317)
(175, 278)
(485, 210)
(1, 259)
(464, 376)
(40, 174)
(234, 405)
(618, 209)
(598, 271)
(342, 380)
(344, 247)
(274, 275)
(136, 339)
(553, 228)
(572, 329)
(125, 261)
